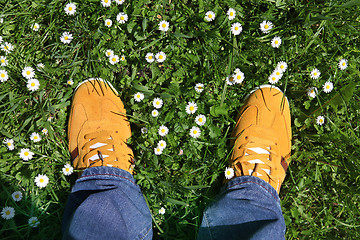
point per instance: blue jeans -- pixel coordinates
(106, 203)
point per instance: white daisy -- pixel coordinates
(8, 213)
(17, 196)
(320, 120)
(200, 120)
(266, 26)
(33, 222)
(67, 169)
(3, 76)
(158, 150)
(162, 211)
(163, 130)
(312, 92)
(199, 87)
(122, 58)
(273, 78)
(106, 3)
(157, 103)
(66, 37)
(7, 47)
(229, 173)
(149, 57)
(236, 28)
(70, 9)
(195, 132)
(44, 131)
(191, 108)
(276, 42)
(209, 16)
(35, 137)
(278, 72)
(231, 13)
(9, 143)
(163, 26)
(122, 17)
(315, 74)
(239, 77)
(35, 27)
(155, 113)
(160, 57)
(162, 144)
(109, 53)
(181, 152)
(108, 22)
(119, 2)
(282, 66)
(328, 87)
(26, 154)
(28, 72)
(138, 96)
(3, 61)
(144, 130)
(343, 64)
(70, 82)
(41, 180)
(114, 59)
(33, 84)
(230, 80)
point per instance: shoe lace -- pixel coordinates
(257, 158)
(100, 147)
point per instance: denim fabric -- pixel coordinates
(106, 203)
(246, 208)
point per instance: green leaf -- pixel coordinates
(344, 95)
(177, 202)
(216, 111)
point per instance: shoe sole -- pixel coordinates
(97, 79)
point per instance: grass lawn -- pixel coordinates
(321, 193)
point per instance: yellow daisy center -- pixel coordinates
(106, 1)
(200, 119)
(108, 23)
(138, 96)
(162, 144)
(121, 18)
(109, 53)
(66, 37)
(238, 77)
(7, 212)
(266, 26)
(282, 66)
(157, 103)
(195, 132)
(273, 78)
(315, 73)
(6, 47)
(67, 169)
(162, 130)
(231, 14)
(192, 108)
(276, 41)
(70, 8)
(41, 180)
(26, 154)
(2, 75)
(17, 196)
(228, 172)
(32, 84)
(199, 87)
(9, 144)
(312, 91)
(35, 137)
(28, 72)
(327, 87)
(150, 57)
(210, 16)
(343, 63)
(35, 26)
(114, 59)
(278, 73)
(163, 25)
(122, 58)
(161, 57)
(321, 120)
(236, 28)
(2, 60)
(33, 221)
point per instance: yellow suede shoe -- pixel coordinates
(98, 128)
(262, 136)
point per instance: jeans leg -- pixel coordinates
(106, 203)
(246, 208)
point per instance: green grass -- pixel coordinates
(320, 196)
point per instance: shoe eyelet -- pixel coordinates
(116, 131)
